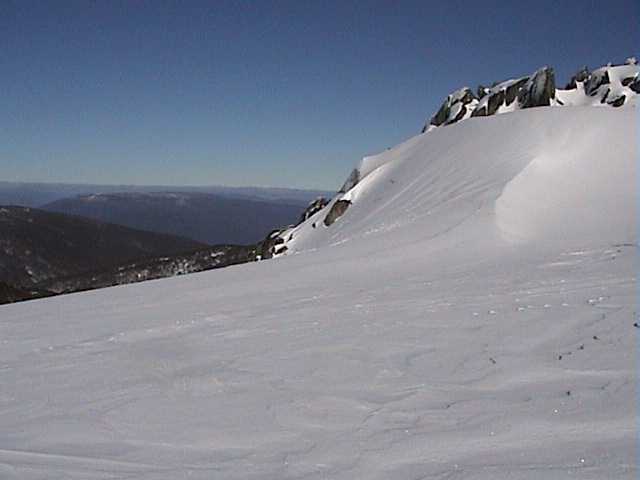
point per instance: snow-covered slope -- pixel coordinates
(539, 176)
(468, 316)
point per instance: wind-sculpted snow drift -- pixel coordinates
(552, 142)
(469, 315)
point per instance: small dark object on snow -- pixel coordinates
(636, 325)
(492, 360)
(595, 337)
(581, 347)
(568, 393)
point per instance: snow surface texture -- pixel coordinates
(470, 316)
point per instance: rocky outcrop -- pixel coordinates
(596, 80)
(618, 101)
(313, 208)
(539, 90)
(352, 181)
(337, 210)
(499, 95)
(271, 244)
(611, 85)
(581, 76)
(455, 107)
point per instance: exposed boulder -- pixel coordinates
(582, 76)
(617, 102)
(499, 95)
(313, 208)
(511, 92)
(461, 112)
(337, 210)
(453, 109)
(596, 80)
(539, 90)
(628, 81)
(352, 181)
(270, 245)
(635, 85)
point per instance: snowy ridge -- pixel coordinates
(610, 86)
(536, 174)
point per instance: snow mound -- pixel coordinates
(580, 187)
(540, 175)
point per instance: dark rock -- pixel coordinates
(463, 96)
(635, 86)
(511, 92)
(480, 111)
(498, 98)
(337, 210)
(481, 91)
(596, 80)
(441, 116)
(313, 208)
(604, 97)
(495, 101)
(539, 90)
(352, 181)
(581, 76)
(618, 102)
(280, 250)
(267, 248)
(459, 116)
(628, 81)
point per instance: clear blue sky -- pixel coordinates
(262, 93)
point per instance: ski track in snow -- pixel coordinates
(432, 349)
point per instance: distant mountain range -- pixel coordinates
(91, 236)
(208, 218)
(36, 246)
(44, 253)
(38, 194)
